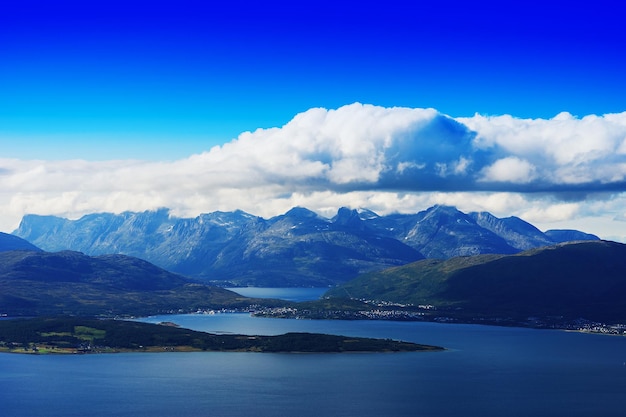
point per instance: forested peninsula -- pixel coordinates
(83, 335)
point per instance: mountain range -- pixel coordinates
(298, 248)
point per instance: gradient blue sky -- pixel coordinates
(163, 80)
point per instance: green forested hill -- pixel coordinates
(586, 279)
(71, 283)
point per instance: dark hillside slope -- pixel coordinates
(11, 242)
(586, 280)
(43, 283)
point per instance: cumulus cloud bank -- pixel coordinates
(360, 147)
(388, 159)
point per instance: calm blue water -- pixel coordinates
(487, 371)
(289, 294)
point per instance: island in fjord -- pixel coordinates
(81, 335)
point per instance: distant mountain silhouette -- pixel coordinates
(562, 236)
(298, 248)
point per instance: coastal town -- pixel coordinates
(429, 313)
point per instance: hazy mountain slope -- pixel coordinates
(87, 234)
(443, 232)
(191, 246)
(573, 280)
(303, 247)
(566, 235)
(516, 232)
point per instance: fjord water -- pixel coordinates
(289, 294)
(486, 371)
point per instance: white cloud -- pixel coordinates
(462, 165)
(385, 159)
(567, 149)
(402, 166)
(510, 169)
(553, 213)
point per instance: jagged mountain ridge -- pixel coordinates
(516, 232)
(443, 232)
(298, 248)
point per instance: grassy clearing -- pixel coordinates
(88, 334)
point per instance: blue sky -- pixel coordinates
(156, 80)
(112, 106)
